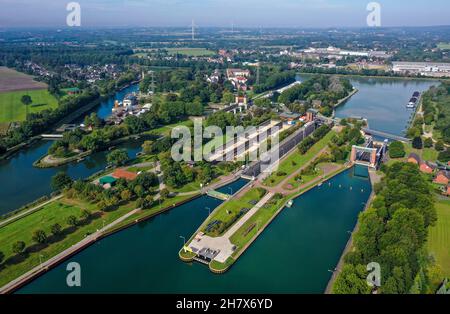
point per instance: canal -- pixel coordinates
(22, 183)
(293, 255)
(382, 101)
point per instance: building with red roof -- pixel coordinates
(124, 174)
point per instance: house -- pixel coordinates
(414, 158)
(124, 174)
(442, 177)
(73, 91)
(426, 167)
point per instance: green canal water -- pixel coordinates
(382, 101)
(293, 255)
(21, 183)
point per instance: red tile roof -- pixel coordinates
(124, 174)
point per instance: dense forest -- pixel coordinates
(393, 233)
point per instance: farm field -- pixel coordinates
(11, 80)
(12, 109)
(192, 52)
(439, 237)
(444, 46)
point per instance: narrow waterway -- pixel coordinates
(293, 255)
(22, 183)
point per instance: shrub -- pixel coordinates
(397, 150)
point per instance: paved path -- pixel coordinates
(223, 243)
(248, 215)
(28, 211)
(61, 256)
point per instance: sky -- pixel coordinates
(222, 13)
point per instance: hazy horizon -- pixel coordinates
(221, 13)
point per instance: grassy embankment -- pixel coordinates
(296, 160)
(22, 229)
(439, 237)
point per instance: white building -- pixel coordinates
(423, 68)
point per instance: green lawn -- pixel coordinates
(296, 160)
(191, 52)
(12, 109)
(439, 237)
(166, 129)
(306, 178)
(248, 230)
(444, 46)
(230, 208)
(428, 154)
(55, 212)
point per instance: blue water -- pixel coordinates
(293, 255)
(21, 183)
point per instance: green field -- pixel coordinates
(428, 154)
(444, 46)
(55, 212)
(439, 237)
(230, 208)
(250, 228)
(191, 52)
(12, 109)
(296, 160)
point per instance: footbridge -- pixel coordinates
(218, 195)
(386, 135)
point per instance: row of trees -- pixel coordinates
(40, 237)
(393, 233)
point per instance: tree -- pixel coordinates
(18, 247)
(39, 236)
(164, 193)
(428, 142)
(439, 146)
(117, 157)
(125, 195)
(85, 214)
(56, 229)
(26, 100)
(72, 220)
(396, 150)
(60, 181)
(147, 147)
(352, 280)
(417, 142)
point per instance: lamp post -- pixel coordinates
(209, 210)
(231, 190)
(40, 260)
(184, 242)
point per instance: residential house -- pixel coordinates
(414, 158)
(442, 177)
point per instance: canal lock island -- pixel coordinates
(353, 162)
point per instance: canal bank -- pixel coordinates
(381, 100)
(25, 183)
(292, 256)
